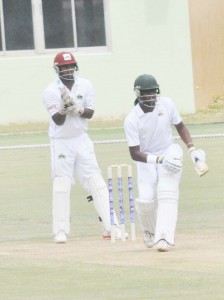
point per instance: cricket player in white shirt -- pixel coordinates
(70, 102)
(148, 129)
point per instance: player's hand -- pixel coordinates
(66, 100)
(74, 110)
(68, 105)
(198, 158)
(170, 163)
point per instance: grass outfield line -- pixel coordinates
(99, 134)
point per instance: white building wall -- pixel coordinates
(147, 36)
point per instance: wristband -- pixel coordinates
(190, 143)
(151, 159)
(191, 149)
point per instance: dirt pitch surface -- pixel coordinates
(189, 252)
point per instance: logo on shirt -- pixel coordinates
(51, 107)
(79, 96)
(61, 156)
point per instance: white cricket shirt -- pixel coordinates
(152, 130)
(82, 92)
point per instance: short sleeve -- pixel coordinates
(51, 101)
(131, 132)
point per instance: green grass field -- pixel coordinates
(32, 267)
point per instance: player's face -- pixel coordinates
(67, 72)
(148, 97)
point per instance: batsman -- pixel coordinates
(148, 128)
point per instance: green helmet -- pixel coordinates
(145, 82)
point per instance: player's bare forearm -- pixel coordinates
(184, 134)
(197, 155)
(88, 113)
(137, 155)
(59, 118)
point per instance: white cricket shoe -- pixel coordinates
(162, 246)
(60, 237)
(148, 239)
(107, 234)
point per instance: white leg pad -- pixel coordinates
(100, 193)
(116, 222)
(61, 204)
(146, 214)
(167, 194)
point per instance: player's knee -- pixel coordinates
(144, 207)
(147, 194)
(168, 188)
(61, 184)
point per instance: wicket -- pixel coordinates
(118, 168)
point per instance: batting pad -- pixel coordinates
(167, 195)
(61, 204)
(100, 193)
(146, 214)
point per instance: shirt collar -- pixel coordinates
(138, 110)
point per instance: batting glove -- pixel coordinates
(171, 164)
(198, 159)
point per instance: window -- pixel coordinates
(58, 27)
(18, 25)
(42, 25)
(90, 23)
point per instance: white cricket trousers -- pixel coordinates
(74, 155)
(148, 175)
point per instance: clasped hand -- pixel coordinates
(68, 105)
